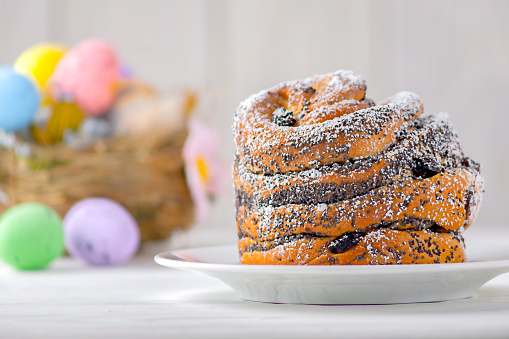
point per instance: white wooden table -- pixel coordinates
(144, 300)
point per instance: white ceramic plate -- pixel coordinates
(488, 258)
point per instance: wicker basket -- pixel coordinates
(146, 176)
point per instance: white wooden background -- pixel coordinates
(454, 54)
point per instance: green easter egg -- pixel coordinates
(31, 236)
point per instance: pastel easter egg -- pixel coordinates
(64, 117)
(31, 236)
(100, 231)
(87, 74)
(140, 111)
(135, 110)
(125, 72)
(39, 61)
(19, 100)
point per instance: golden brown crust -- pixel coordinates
(441, 199)
(267, 148)
(434, 141)
(380, 247)
(324, 176)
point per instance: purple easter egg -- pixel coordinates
(125, 72)
(101, 232)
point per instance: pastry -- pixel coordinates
(322, 175)
(274, 133)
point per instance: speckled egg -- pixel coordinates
(31, 236)
(100, 231)
(87, 75)
(19, 100)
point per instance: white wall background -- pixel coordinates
(454, 54)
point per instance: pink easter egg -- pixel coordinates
(87, 74)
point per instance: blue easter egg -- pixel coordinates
(19, 100)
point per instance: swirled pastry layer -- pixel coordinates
(323, 175)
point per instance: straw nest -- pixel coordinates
(144, 173)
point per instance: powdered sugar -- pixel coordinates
(377, 167)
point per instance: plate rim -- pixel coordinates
(181, 262)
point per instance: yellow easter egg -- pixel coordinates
(39, 61)
(64, 116)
